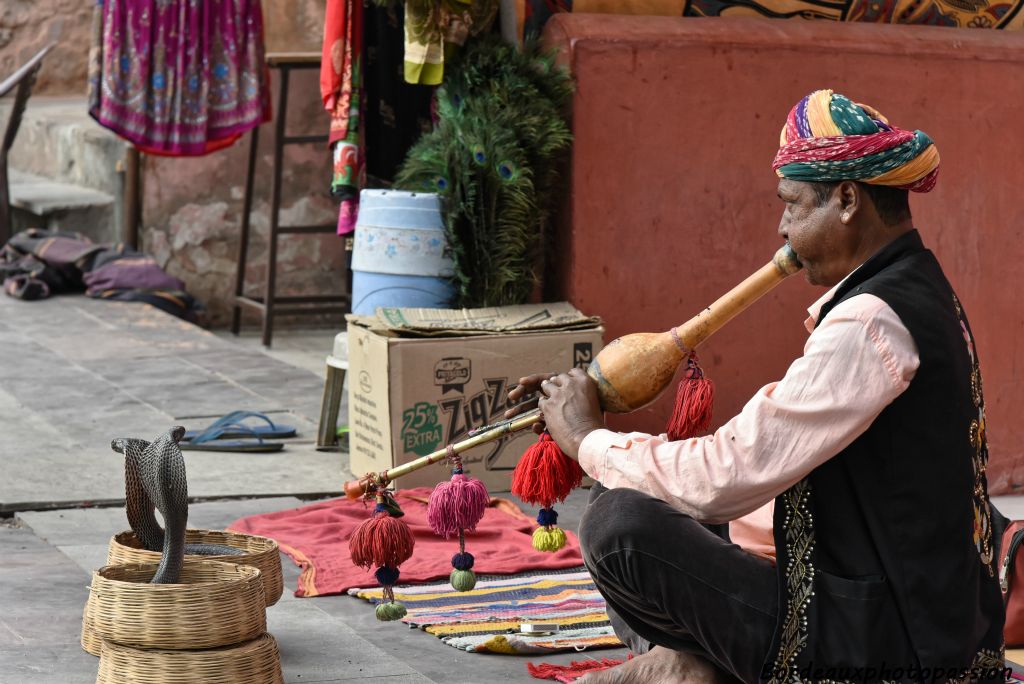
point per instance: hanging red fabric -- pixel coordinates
(340, 84)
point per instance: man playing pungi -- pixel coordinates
(862, 470)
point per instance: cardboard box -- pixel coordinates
(420, 379)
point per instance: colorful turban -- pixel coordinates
(829, 138)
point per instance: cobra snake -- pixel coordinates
(154, 477)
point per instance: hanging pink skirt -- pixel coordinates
(179, 77)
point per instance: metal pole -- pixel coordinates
(132, 216)
(275, 207)
(243, 239)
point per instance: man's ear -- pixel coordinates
(850, 197)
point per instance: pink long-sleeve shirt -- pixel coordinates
(854, 364)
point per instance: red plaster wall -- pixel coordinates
(673, 200)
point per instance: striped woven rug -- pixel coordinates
(487, 619)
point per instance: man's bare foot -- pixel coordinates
(658, 666)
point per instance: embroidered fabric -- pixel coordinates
(178, 77)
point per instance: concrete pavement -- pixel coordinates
(76, 372)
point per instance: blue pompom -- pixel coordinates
(380, 508)
(547, 516)
(386, 576)
(462, 561)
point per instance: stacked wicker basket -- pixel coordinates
(210, 627)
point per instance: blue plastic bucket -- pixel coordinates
(398, 258)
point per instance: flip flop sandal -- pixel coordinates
(234, 420)
(210, 440)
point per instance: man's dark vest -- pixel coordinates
(885, 551)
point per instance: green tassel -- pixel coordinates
(549, 539)
(394, 610)
(463, 580)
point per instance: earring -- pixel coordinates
(845, 217)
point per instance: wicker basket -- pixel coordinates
(216, 604)
(91, 641)
(260, 552)
(254, 662)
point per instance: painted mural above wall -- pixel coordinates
(531, 15)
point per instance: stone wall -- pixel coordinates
(26, 26)
(192, 207)
(192, 212)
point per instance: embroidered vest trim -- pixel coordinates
(799, 524)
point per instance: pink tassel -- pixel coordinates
(456, 505)
(695, 398)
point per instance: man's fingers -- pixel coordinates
(553, 381)
(516, 393)
(528, 384)
(520, 407)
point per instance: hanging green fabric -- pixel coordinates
(434, 29)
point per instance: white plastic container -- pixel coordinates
(399, 258)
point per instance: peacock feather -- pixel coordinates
(495, 157)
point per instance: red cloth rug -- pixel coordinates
(316, 537)
(570, 673)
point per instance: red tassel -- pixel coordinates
(570, 673)
(694, 400)
(545, 475)
(382, 540)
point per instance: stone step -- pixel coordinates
(60, 144)
(46, 203)
(44, 196)
(59, 140)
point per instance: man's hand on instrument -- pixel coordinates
(571, 409)
(527, 387)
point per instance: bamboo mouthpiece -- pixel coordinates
(633, 370)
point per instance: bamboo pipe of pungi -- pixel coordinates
(631, 372)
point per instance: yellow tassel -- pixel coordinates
(549, 539)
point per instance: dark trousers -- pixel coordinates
(670, 581)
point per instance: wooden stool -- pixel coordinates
(337, 367)
(272, 305)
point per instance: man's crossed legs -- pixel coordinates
(699, 608)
